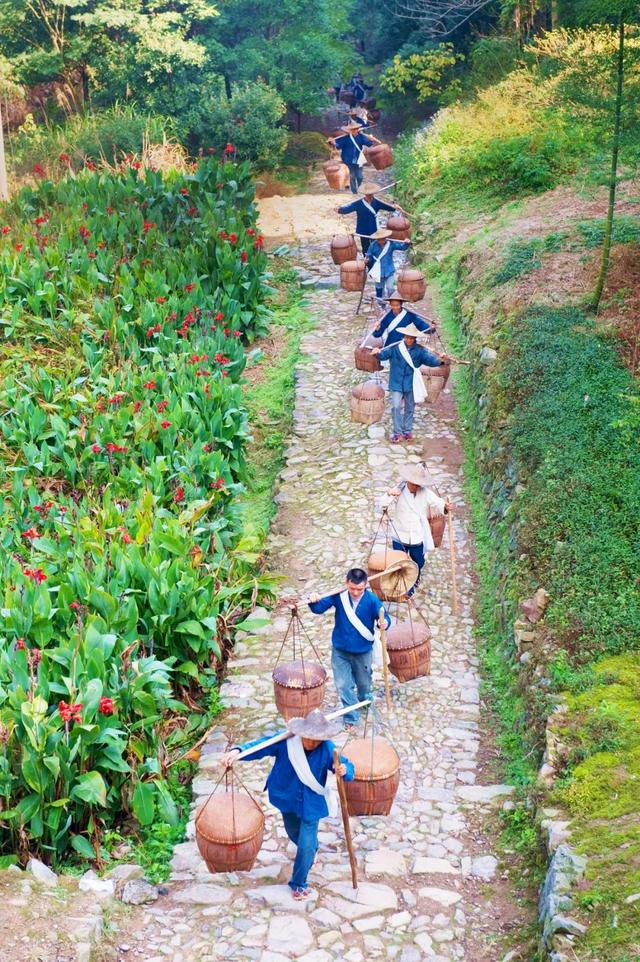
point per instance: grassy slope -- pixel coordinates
(475, 279)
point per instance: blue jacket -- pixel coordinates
(387, 268)
(286, 791)
(366, 222)
(400, 373)
(345, 637)
(348, 152)
(395, 336)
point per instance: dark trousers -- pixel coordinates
(352, 677)
(416, 553)
(356, 176)
(364, 243)
(305, 835)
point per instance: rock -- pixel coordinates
(445, 897)
(289, 934)
(124, 873)
(563, 924)
(483, 794)
(274, 957)
(41, 872)
(384, 861)
(400, 919)
(279, 897)
(136, 891)
(425, 942)
(91, 883)
(534, 608)
(436, 866)
(488, 355)
(373, 923)
(484, 867)
(318, 955)
(630, 899)
(374, 895)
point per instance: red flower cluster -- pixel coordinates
(96, 448)
(84, 232)
(43, 508)
(75, 606)
(189, 287)
(250, 232)
(154, 330)
(259, 242)
(244, 256)
(116, 399)
(36, 574)
(219, 316)
(42, 219)
(178, 496)
(106, 706)
(147, 226)
(228, 150)
(70, 713)
(39, 171)
(115, 448)
(192, 212)
(90, 165)
(184, 191)
(125, 537)
(160, 300)
(237, 333)
(64, 159)
(162, 405)
(221, 359)
(150, 385)
(6, 230)
(217, 484)
(19, 645)
(136, 406)
(18, 247)
(30, 534)
(165, 424)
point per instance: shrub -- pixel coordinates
(250, 121)
(306, 148)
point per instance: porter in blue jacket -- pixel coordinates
(366, 209)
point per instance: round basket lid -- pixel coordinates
(382, 558)
(342, 240)
(369, 391)
(409, 274)
(371, 342)
(398, 222)
(229, 818)
(299, 674)
(407, 635)
(355, 266)
(372, 758)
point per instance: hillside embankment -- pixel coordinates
(550, 409)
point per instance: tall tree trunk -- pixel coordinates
(613, 176)
(227, 86)
(299, 121)
(4, 187)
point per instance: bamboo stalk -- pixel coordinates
(452, 559)
(385, 658)
(342, 795)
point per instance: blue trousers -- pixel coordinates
(305, 835)
(386, 285)
(416, 553)
(356, 176)
(352, 677)
(402, 420)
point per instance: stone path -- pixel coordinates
(431, 885)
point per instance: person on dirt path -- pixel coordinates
(358, 115)
(397, 316)
(351, 147)
(366, 210)
(411, 531)
(356, 617)
(359, 88)
(379, 261)
(406, 384)
(297, 786)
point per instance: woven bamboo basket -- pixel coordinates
(343, 248)
(352, 275)
(347, 97)
(364, 359)
(400, 227)
(394, 586)
(409, 649)
(376, 776)
(229, 832)
(298, 687)
(337, 174)
(435, 380)
(411, 284)
(379, 156)
(437, 523)
(367, 403)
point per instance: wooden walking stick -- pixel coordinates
(452, 557)
(385, 659)
(345, 819)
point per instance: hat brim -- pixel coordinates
(396, 296)
(410, 331)
(369, 188)
(415, 475)
(306, 728)
(381, 235)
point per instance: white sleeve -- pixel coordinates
(435, 501)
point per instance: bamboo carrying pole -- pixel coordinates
(452, 558)
(345, 819)
(385, 659)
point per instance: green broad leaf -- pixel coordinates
(83, 846)
(143, 802)
(250, 624)
(188, 668)
(191, 628)
(167, 808)
(52, 762)
(91, 788)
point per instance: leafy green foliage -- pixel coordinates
(426, 73)
(250, 120)
(525, 256)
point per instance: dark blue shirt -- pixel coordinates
(366, 222)
(348, 151)
(345, 637)
(286, 791)
(387, 267)
(409, 318)
(401, 373)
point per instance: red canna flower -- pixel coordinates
(162, 405)
(19, 645)
(90, 165)
(243, 257)
(237, 333)
(36, 574)
(206, 447)
(150, 385)
(101, 244)
(6, 229)
(125, 537)
(151, 331)
(178, 496)
(91, 255)
(136, 406)
(18, 247)
(233, 238)
(217, 484)
(70, 713)
(64, 159)
(106, 706)
(39, 171)
(96, 448)
(259, 241)
(75, 606)
(116, 399)
(165, 424)
(192, 212)
(137, 164)
(84, 232)
(30, 534)
(250, 232)
(85, 206)
(115, 448)
(219, 316)
(160, 300)
(184, 191)
(147, 226)
(189, 287)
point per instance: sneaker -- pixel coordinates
(396, 438)
(408, 437)
(300, 895)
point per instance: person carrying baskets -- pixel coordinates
(396, 317)
(297, 785)
(351, 146)
(379, 260)
(366, 210)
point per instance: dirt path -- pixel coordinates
(432, 887)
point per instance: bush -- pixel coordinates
(306, 148)
(250, 121)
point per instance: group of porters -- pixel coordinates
(230, 825)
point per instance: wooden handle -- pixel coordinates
(342, 795)
(382, 625)
(282, 736)
(452, 559)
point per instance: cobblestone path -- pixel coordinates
(431, 886)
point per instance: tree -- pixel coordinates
(426, 73)
(598, 76)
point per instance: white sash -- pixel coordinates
(361, 161)
(375, 272)
(419, 389)
(350, 612)
(427, 537)
(394, 323)
(300, 763)
(369, 207)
